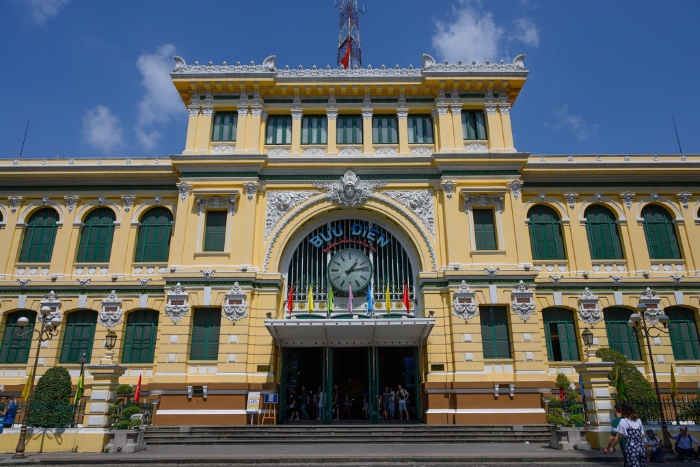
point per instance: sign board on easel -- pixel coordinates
(253, 404)
(269, 412)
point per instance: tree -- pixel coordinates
(50, 405)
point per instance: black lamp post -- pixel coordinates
(638, 323)
(48, 330)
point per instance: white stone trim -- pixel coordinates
(598, 199)
(98, 202)
(544, 199)
(656, 199)
(496, 201)
(4, 215)
(21, 221)
(152, 202)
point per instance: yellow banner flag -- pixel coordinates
(310, 297)
(387, 299)
(27, 386)
(674, 386)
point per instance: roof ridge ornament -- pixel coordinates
(349, 191)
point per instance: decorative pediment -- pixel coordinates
(111, 312)
(464, 305)
(653, 311)
(588, 310)
(349, 191)
(53, 302)
(235, 306)
(522, 303)
(177, 306)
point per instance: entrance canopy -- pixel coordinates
(402, 332)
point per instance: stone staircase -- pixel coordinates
(346, 434)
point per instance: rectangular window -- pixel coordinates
(206, 327)
(384, 129)
(349, 129)
(484, 229)
(279, 130)
(684, 339)
(16, 340)
(560, 330)
(495, 337)
(623, 340)
(420, 129)
(215, 231)
(473, 124)
(314, 130)
(225, 126)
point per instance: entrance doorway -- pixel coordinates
(397, 366)
(303, 372)
(351, 372)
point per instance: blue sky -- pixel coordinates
(605, 77)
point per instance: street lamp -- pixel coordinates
(48, 330)
(587, 337)
(638, 323)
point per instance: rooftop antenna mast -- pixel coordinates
(349, 43)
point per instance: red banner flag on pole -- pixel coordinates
(406, 302)
(346, 58)
(137, 393)
(290, 301)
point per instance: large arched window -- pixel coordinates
(140, 336)
(660, 232)
(153, 241)
(39, 237)
(620, 336)
(603, 234)
(78, 335)
(560, 328)
(96, 237)
(545, 233)
(684, 333)
(17, 341)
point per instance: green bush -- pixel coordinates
(690, 410)
(129, 411)
(123, 425)
(125, 389)
(636, 386)
(577, 419)
(50, 406)
(562, 382)
(133, 423)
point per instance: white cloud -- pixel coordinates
(101, 129)
(161, 101)
(576, 123)
(474, 34)
(44, 10)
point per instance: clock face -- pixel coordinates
(348, 267)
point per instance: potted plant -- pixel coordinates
(566, 416)
(126, 435)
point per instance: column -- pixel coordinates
(102, 394)
(402, 116)
(599, 401)
(263, 129)
(493, 127)
(508, 145)
(253, 130)
(332, 117)
(180, 231)
(297, 115)
(457, 127)
(240, 128)
(206, 121)
(191, 129)
(367, 131)
(445, 128)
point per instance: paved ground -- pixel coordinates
(337, 455)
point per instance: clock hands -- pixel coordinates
(352, 268)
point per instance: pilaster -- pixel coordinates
(457, 127)
(445, 128)
(494, 128)
(332, 116)
(190, 142)
(253, 135)
(241, 128)
(183, 212)
(297, 115)
(402, 116)
(204, 127)
(508, 145)
(367, 147)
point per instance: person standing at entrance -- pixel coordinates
(402, 396)
(319, 404)
(293, 402)
(304, 402)
(385, 402)
(336, 401)
(392, 403)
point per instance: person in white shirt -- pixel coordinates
(631, 429)
(655, 447)
(684, 445)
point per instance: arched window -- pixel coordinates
(14, 347)
(140, 336)
(684, 333)
(560, 328)
(78, 335)
(545, 233)
(153, 241)
(660, 233)
(39, 237)
(620, 336)
(603, 234)
(96, 237)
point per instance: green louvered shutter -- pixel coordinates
(660, 233)
(620, 336)
(215, 231)
(545, 234)
(684, 333)
(95, 244)
(560, 332)
(78, 336)
(603, 234)
(206, 328)
(484, 229)
(153, 240)
(39, 237)
(14, 348)
(140, 336)
(494, 332)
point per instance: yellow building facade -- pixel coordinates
(214, 266)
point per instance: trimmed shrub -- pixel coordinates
(125, 389)
(129, 411)
(636, 386)
(50, 406)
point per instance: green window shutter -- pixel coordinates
(14, 348)
(215, 231)
(494, 332)
(39, 237)
(95, 244)
(560, 331)
(206, 327)
(78, 336)
(153, 240)
(314, 129)
(603, 233)
(279, 130)
(684, 333)
(225, 126)
(660, 233)
(480, 125)
(546, 238)
(620, 336)
(384, 129)
(473, 126)
(140, 336)
(484, 229)
(420, 129)
(349, 129)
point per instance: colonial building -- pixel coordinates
(366, 227)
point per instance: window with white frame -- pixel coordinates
(485, 225)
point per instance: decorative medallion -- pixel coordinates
(143, 282)
(588, 310)
(222, 148)
(491, 272)
(235, 306)
(23, 282)
(15, 201)
(449, 188)
(556, 278)
(71, 202)
(684, 198)
(250, 189)
(84, 282)
(616, 278)
(184, 190)
(350, 151)
(350, 191)
(280, 203)
(177, 306)
(420, 203)
(571, 199)
(464, 305)
(627, 198)
(111, 313)
(476, 147)
(53, 302)
(522, 303)
(653, 311)
(208, 273)
(128, 202)
(515, 187)
(677, 278)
